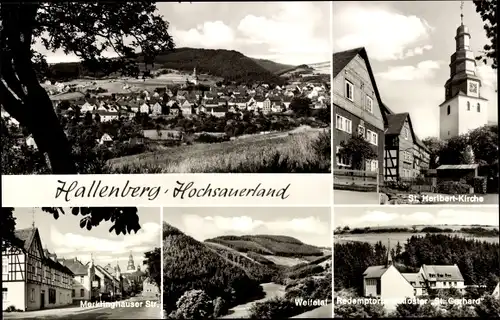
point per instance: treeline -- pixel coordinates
(478, 231)
(268, 245)
(477, 260)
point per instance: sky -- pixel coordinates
(65, 237)
(285, 32)
(414, 215)
(309, 225)
(409, 44)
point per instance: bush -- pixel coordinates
(453, 187)
(276, 308)
(220, 307)
(359, 311)
(480, 184)
(488, 308)
(194, 304)
(12, 309)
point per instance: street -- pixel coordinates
(134, 310)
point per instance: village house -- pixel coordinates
(496, 292)
(387, 283)
(31, 280)
(106, 139)
(87, 107)
(187, 107)
(404, 155)
(149, 289)
(357, 107)
(156, 109)
(270, 103)
(144, 108)
(82, 281)
(110, 286)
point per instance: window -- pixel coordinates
(73, 293)
(342, 159)
(406, 133)
(379, 287)
(52, 296)
(349, 90)
(372, 137)
(81, 279)
(369, 104)
(343, 124)
(361, 131)
(5, 265)
(468, 106)
(478, 107)
(448, 110)
(4, 294)
(32, 296)
(82, 293)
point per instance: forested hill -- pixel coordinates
(274, 67)
(269, 245)
(228, 64)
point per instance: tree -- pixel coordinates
(194, 304)
(456, 150)
(434, 145)
(487, 9)
(301, 106)
(358, 150)
(87, 30)
(153, 262)
(484, 144)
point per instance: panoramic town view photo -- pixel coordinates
(415, 102)
(258, 263)
(78, 263)
(416, 261)
(166, 87)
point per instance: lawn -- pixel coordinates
(272, 153)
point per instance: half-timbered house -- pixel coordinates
(31, 280)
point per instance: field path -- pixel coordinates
(243, 310)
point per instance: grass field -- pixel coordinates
(276, 153)
(373, 238)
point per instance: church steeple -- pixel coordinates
(131, 265)
(388, 261)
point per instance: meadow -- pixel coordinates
(273, 153)
(400, 237)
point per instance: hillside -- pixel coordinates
(295, 71)
(227, 64)
(271, 66)
(189, 264)
(268, 245)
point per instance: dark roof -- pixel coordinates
(374, 271)
(395, 123)
(58, 266)
(26, 235)
(76, 266)
(340, 61)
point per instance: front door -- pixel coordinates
(42, 299)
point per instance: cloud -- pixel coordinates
(417, 51)
(290, 34)
(210, 34)
(67, 243)
(439, 217)
(386, 35)
(423, 70)
(203, 227)
(488, 75)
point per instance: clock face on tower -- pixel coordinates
(473, 87)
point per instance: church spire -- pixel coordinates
(461, 13)
(131, 265)
(389, 257)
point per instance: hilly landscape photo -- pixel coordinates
(259, 263)
(205, 90)
(416, 262)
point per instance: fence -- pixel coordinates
(355, 180)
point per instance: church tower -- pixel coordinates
(463, 109)
(130, 266)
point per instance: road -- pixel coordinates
(323, 312)
(137, 308)
(243, 310)
(341, 197)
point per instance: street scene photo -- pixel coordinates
(253, 263)
(416, 261)
(167, 87)
(76, 263)
(415, 102)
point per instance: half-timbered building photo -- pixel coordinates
(415, 113)
(60, 267)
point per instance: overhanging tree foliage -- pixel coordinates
(88, 30)
(487, 9)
